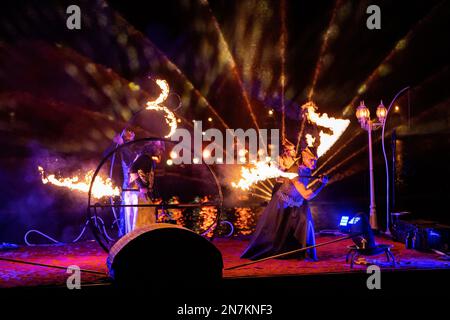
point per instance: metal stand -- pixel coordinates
(354, 252)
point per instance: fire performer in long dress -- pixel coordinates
(286, 223)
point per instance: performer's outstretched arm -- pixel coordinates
(309, 193)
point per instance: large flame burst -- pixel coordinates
(171, 120)
(101, 187)
(264, 170)
(260, 171)
(337, 126)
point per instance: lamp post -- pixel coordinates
(363, 115)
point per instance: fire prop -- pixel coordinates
(101, 188)
(261, 171)
(337, 126)
(171, 120)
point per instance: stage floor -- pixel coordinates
(88, 255)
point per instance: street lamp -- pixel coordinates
(363, 116)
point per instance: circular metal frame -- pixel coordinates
(102, 239)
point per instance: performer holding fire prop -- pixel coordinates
(138, 167)
(286, 222)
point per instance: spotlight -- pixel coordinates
(359, 226)
(173, 155)
(396, 108)
(271, 112)
(179, 120)
(209, 119)
(169, 162)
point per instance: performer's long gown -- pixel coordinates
(286, 224)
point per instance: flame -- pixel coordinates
(101, 188)
(338, 127)
(261, 170)
(310, 140)
(171, 120)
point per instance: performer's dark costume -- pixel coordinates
(286, 224)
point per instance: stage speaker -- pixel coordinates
(162, 255)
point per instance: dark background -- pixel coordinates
(65, 93)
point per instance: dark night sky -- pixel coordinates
(64, 93)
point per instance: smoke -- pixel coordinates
(27, 203)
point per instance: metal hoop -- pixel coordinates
(95, 229)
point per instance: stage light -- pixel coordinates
(179, 120)
(354, 220)
(363, 235)
(344, 221)
(270, 112)
(173, 155)
(196, 160)
(169, 162)
(210, 119)
(347, 222)
(359, 226)
(396, 108)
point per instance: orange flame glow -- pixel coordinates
(101, 188)
(171, 120)
(260, 171)
(245, 221)
(208, 216)
(337, 126)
